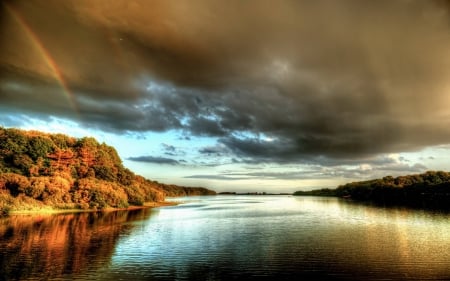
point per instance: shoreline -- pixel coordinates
(51, 211)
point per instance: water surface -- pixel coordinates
(231, 238)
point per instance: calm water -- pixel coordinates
(230, 238)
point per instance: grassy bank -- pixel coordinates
(49, 210)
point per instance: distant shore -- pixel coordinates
(429, 190)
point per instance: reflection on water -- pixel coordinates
(232, 238)
(47, 246)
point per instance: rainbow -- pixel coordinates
(45, 54)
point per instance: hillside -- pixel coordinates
(39, 171)
(428, 190)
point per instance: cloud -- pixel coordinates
(318, 172)
(168, 147)
(217, 150)
(152, 159)
(405, 169)
(292, 81)
(216, 177)
(171, 150)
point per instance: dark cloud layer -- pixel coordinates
(285, 81)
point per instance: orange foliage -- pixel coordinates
(60, 171)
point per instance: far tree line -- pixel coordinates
(427, 190)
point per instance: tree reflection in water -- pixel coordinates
(48, 246)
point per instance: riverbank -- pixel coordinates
(51, 211)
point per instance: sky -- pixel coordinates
(245, 96)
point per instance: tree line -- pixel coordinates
(427, 190)
(40, 170)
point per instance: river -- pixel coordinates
(230, 238)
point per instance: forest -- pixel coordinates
(40, 171)
(430, 190)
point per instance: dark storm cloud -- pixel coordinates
(285, 81)
(151, 159)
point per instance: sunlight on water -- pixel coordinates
(233, 237)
